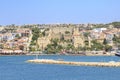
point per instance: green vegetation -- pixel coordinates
(105, 42)
(17, 36)
(32, 48)
(67, 32)
(86, 34)
(116, 39)
(70, 47)
(1, 46)
(57, 45)
(62, 37)
(116, 24)
(96, 46)
(54, 47)
(35, 32)
(101, 26)
(107, 47)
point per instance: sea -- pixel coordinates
(16, 68)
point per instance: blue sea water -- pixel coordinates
(15, 68)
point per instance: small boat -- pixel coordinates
(117, 54)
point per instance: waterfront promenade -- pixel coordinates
(99, 64)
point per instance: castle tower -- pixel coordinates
(78, 39)
(44, 41)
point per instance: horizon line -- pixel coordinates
(58, 23)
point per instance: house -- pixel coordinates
(99, 36)
(8, 36)
(25, 32)
(110, 35)
(99, 29)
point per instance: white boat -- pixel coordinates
(117, 53)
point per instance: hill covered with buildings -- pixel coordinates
(59, 38)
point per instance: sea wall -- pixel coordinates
(99, 64)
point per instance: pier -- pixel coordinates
(98, 64)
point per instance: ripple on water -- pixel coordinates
(15, 68)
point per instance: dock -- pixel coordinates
(97, 64)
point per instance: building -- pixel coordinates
(25, 32)
(99, 29)
(99, 36)
(78, 39)
(8, 37)
(44, 40)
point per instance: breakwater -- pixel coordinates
(99, 64)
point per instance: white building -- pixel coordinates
(99, 29)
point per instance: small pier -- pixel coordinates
(98, 64)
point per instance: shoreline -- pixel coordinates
(62, 54)
(57, 55)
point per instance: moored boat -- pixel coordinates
(117, 53)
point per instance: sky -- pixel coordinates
(58, 11)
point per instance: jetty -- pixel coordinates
(98, 64)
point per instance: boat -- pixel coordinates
(117, 53)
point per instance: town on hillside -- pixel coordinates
(82, 39)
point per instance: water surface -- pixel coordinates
(15, 68)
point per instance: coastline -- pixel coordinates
(62, 54)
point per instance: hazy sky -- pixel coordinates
(58, 11)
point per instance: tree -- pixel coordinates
(35, 32)
(62, 37)
(116, 24)
(101, 26)
(43, 33)
(54, 42)
(67, 32)
(96, 45)
(54, 47)
(105, 42)
(116, 41)
(32, 48)
(33, 43)
(70, 47)
(86, 34)
(17, 36)
(86, 42)
(1, 46)
(108, 48)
